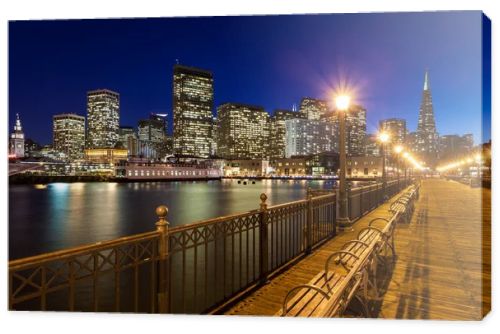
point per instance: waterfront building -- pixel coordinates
(193, 98)
(372, 145)
(364, 167)
(427, 137)
(306, 137)
(313, 109)
(278, 131)
(16, 142)
(68, 135)
(128, 137)
(396, 128)
(103, 118)
(292, 166)
(452, 146)
(243, 131)
(246, 167)
(355, 129)
(325, 163)
(106, 155)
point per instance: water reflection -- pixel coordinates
(64, 215)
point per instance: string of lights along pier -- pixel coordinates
(243, 138)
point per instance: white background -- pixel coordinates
(20, 322)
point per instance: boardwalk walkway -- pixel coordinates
(440, 268)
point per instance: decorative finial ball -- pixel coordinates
(263, 197)
(161, 211)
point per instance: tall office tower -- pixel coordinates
(243, 132)
(396, 128)
(16, 142)
(151, 129)
(215, 131)
(454, 146)
(427, 136)
(313, 108)
(355, 129)
(307, 136)
(277, 137)
(411, 141)
(128, 137)
(68, 134)
(151, 133)
(193, 99)
(372, 146)
(103, 118)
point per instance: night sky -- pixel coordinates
(272, 61)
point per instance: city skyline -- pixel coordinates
(72, 100)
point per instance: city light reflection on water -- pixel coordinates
(61, 215)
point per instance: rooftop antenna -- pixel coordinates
(294, 107)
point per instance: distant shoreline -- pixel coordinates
(44, 179)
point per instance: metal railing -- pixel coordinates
(366, 198)
(193, 268)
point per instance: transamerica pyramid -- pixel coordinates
(427, 136)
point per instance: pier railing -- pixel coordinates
(195, 268)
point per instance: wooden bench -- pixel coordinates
(353, 276)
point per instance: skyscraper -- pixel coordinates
(278, 131)
(427, 136)
(193, 98)
(453, 146)
(308, 136)
(396, 128)
(103, 118)
(151, 133)
(313, 108)
(16, 142)
(355, 129)
(243, 131)
(68, 134)
(128, 137)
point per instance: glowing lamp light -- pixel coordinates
(398, 149)
(384, 137)
(342, 102)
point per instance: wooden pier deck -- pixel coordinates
(443, 265)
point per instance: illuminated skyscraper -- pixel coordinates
(355, 130)
(427, 136)
(16, 143)
(68, 134)
(151, 133)
(313, 108)
(128, 137)
(278, 131)
(308, 136)
(193, 98)
(103, 118)
(243, 131)
(454, 146)
(396, 127)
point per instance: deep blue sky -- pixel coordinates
(271, 61)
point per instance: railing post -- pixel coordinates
(264, 240)
(309, 221)
(163, 260)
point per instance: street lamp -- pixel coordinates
(342, 103)
(406, 155)
(383, 137)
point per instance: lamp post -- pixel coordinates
(398, 150)
(383, 137)
(406, 155)
(342, 104)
